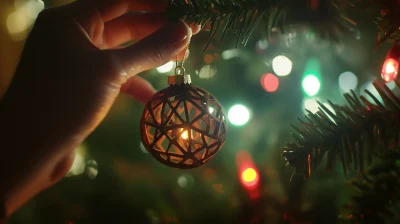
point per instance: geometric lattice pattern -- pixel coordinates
(183, 126)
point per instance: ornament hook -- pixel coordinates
(180, 70)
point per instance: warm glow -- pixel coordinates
(249, 175)
(390, 69)
(184, 134)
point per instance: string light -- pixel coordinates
(282, 65)
(348, 81)
(238, 115)
(390, 69)
(311, 85)
(269, 82)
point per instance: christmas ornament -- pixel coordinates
(183, 126)
(390, 67)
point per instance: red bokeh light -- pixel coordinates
(248, 174)
(390, 69)
(269, 82)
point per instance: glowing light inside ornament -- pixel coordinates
(167, 67)
(390, 69)
(184, 134)
(311, 85)
(238, 115)
(181, 133)
(211, 110)
(348, 81)
(270, 82)
(282, 65)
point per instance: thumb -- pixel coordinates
(152, 51)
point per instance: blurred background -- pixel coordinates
(263, 87)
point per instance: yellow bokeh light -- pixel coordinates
(249, 175)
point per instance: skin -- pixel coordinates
(71, 71)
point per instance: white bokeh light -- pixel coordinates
(282, 65)
(238, 115)
(24, 16)
(78, 166)
(348, 81)
(165, 68)
(207, 72)
(311, 105)
(182, 181)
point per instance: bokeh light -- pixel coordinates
(232, 53)
(165, 68)
(79, 164)
(282, 65)
(311, 105)
(269, 82)
(249, 175)
(262, 44)
(390, 69)
(238, 115)
(23, 17)
(311, 85)
(91, 169)
(348, 81)
(207, 72)
(182, 181)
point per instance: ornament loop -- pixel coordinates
(180, 70)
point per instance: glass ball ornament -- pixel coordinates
(183, 126)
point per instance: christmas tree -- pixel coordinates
(267, 62)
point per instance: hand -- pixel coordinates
(69, 75)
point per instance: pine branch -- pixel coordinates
(327, 18)
(378, 199)
(241, 16)
(353, 133)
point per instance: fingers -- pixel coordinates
(195, 28)
(130, 27)
(152, 51)
(139, 88)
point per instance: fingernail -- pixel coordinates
(176, 33)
